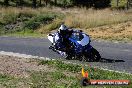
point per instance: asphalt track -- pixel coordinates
(116, 56)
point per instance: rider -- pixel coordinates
(64, 33)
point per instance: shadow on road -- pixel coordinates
(104, 60)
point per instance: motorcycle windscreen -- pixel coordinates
(84, 41)
(81, 38)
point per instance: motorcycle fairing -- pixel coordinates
(80, 38)
(54, 38)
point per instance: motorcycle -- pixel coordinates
(80, 47)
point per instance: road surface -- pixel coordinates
(117, 56)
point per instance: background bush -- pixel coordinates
(60, 3)
(27, 20)
(121, 3)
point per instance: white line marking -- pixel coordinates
(127, 50)
(23, 55)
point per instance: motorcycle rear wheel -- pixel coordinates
(93, 55)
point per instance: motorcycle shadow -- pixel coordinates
(104, 60)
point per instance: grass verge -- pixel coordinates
(59, 75)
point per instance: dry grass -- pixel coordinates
(102, 24)
(24, 10)
(9, 15)
(47, 28)
(97, 23)
(122, 31)
(20, 67)
(83, 18)
(13, 11)
(77, 17)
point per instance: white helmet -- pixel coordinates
(63, 28)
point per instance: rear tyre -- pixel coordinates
(94, 55)
(68, 56)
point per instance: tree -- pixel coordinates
(6, 2)
(40, 2)
(117, 3)
(19, 2)
(64, 3)
(34, 2)
(55, 1)
(46, 2)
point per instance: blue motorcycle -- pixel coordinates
(80, 47)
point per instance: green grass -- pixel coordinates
(58, 79)
(7, 81)
(25, 34)
(4, 78)
(77, 68)
(53, 80)
(35, 22)
(66, 75)
(62, 66)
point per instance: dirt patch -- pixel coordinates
(122, 31)
(20, 67)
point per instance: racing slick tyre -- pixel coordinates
(94, 55)
(68, 56)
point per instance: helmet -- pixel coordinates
(63, 28)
